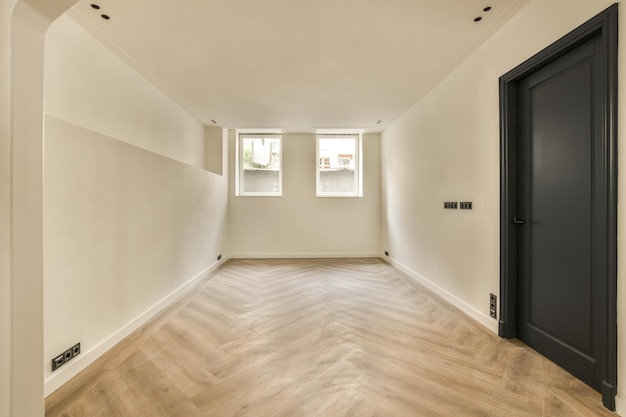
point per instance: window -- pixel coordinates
(345, 161)
(339, 167)
(259, 165)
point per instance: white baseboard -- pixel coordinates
(86, 358)
(304, 255)
(620, 406)
(477, 315)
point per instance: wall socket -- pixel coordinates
(386, 253)
(493, 309)
(465, 205)
(219, 257)
(65, 357)
(450, 204)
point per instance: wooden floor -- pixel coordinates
(319, 338)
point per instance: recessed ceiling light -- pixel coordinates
(95, 6)
(478, 19)
(105, 16)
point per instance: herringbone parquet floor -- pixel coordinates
(349, 337)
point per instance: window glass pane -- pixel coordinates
(337, 162)
(261, 165)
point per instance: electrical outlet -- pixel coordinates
(219, 257)
(465, 205)
(493, 301)
(57, 362)
(386, 253)
(65, 357)
(449, 204)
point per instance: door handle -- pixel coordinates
(518, 221)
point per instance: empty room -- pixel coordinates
(296, 208)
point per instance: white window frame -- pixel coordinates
(268, 134)
(358, 165)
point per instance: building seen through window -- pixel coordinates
(259, 165)
(338, 173)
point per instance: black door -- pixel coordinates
(558, 203)
(562, 212)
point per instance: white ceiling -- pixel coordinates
(294, 64)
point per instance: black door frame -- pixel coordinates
(605, 24)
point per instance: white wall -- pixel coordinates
(216, 139)
(130, 215)
(5, 205)
(299, 224)
(446, 147)
(89, 86)
(28, 26)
